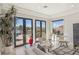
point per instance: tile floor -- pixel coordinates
(34, 51)
(20, 50)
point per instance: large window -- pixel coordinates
(57, 26)
(40, 29)
(23, 30)
(58, 29)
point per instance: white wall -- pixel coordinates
(0, 8)
(68, 27)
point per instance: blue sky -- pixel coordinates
(38, 24)
(56, 24)
(20, 22)
(28, 23)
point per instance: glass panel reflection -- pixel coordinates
(38, 33)
(28, 30)
(19, 31)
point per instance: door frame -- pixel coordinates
(24, 30)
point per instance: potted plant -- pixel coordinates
(6, 28)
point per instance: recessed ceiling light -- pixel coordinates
(72, 5)
(45, 6)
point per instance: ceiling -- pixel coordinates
(52, 9)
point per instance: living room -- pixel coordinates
(37, 20)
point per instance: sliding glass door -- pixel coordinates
(23, 30)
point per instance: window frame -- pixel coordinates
(40, 27)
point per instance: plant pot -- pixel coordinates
(8, 50)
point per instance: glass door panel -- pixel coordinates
(43, 30)
(28, 29)
(19, 31)
(38, 29)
